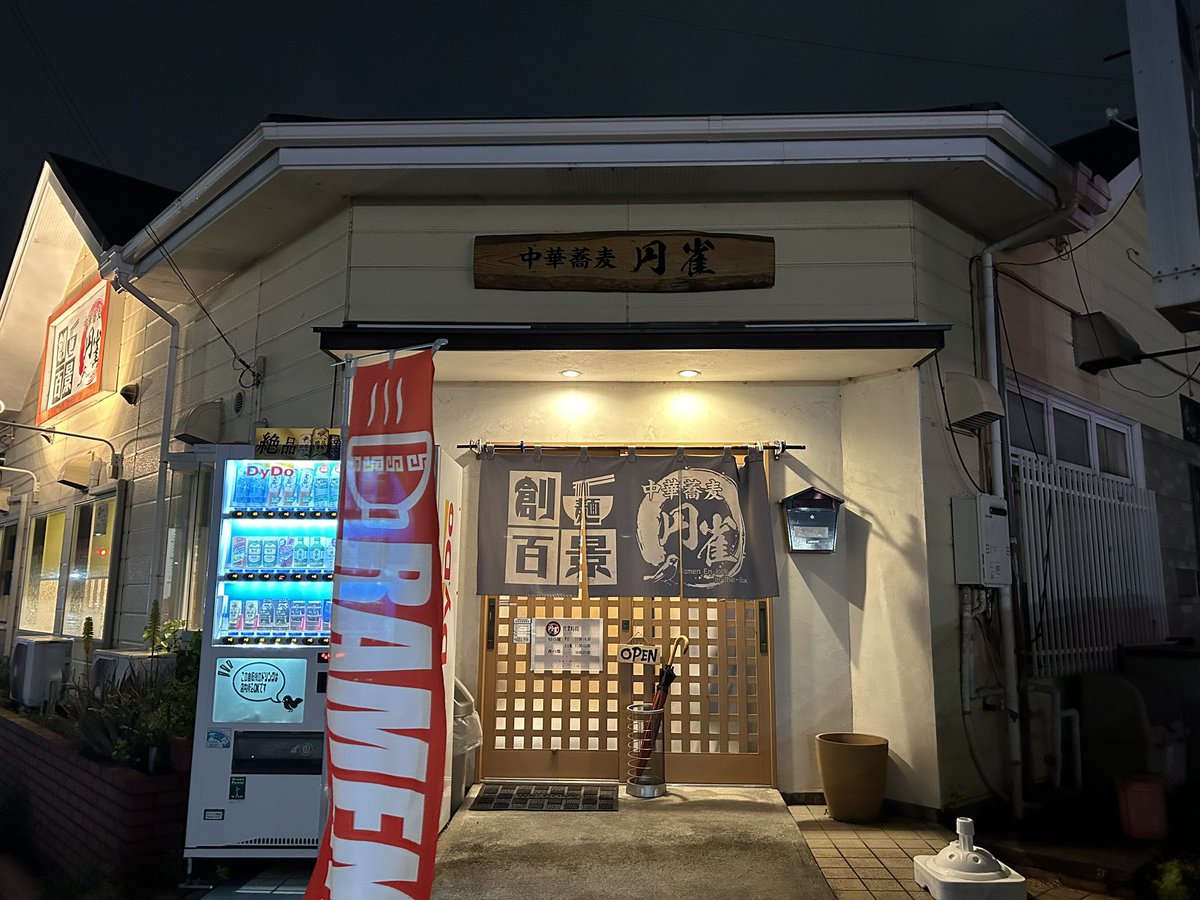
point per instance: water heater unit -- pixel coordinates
(982, 557)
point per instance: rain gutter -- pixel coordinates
(158, 549)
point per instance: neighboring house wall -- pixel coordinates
(1039, 329)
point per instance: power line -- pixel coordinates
(81, 123)
(59, 86)
(246, 367)
(844, 47)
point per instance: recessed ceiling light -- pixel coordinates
(570, 373)
(688, 373)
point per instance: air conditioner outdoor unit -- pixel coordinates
(40, 665)
(111, 667)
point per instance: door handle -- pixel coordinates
(491, 623)
(762, 626)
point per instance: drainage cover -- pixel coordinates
(543, 797)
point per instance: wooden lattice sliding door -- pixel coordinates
(719, 715)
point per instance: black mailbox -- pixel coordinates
(811, 519)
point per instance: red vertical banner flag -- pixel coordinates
(385, 710)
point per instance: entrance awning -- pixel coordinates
(650, 351)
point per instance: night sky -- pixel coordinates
(161, 90)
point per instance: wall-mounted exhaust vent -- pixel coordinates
(971, 402)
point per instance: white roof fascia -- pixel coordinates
(625, 141)
(35, 284)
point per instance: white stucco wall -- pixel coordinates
(888, 596)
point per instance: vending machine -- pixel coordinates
(256, 782)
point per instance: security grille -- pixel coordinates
(1091, 563)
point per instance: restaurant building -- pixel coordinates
(819, 277)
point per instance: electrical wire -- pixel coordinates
(1061, 257)
(914, 57)
(1040, 611)
(247, 369)
(59, 86)
(81, 123)
(953, 440)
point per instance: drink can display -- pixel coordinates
(327, 615)
(236, 622)
(284, 557)
(335, 485)
(251, 612)
(243, 488)
(274, 489)
(321, 487)
(270, 552)
(237, 553)
(266, 615)
(300, 553)
(282, 613)
(313, 618)
(291, 486)
(296, 626)
(330, 553)
(254, 552)
(258, 495)
(304, 496)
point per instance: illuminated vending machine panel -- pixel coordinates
(275, 569)
(256, 785)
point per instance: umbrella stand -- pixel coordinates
(652, 724)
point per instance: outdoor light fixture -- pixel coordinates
(81, 472)
(688, 373)
(570, 373)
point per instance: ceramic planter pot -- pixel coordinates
(853, 774)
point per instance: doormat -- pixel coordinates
(542, 797)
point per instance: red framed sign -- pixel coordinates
(79, 355)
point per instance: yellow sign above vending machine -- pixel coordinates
(298, 443)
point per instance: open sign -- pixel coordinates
(635, 653)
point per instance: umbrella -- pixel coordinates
(666, 675)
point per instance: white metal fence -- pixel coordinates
(1091, 563)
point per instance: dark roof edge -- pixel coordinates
(767, 335)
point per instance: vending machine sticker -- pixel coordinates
(260, 690)
(237, 787)
(218, 739)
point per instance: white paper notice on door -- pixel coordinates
(567, 645)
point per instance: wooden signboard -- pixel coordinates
(625, 261)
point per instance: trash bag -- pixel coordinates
(468, 733)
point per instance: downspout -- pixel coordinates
(1001, 486)
(158, 549)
